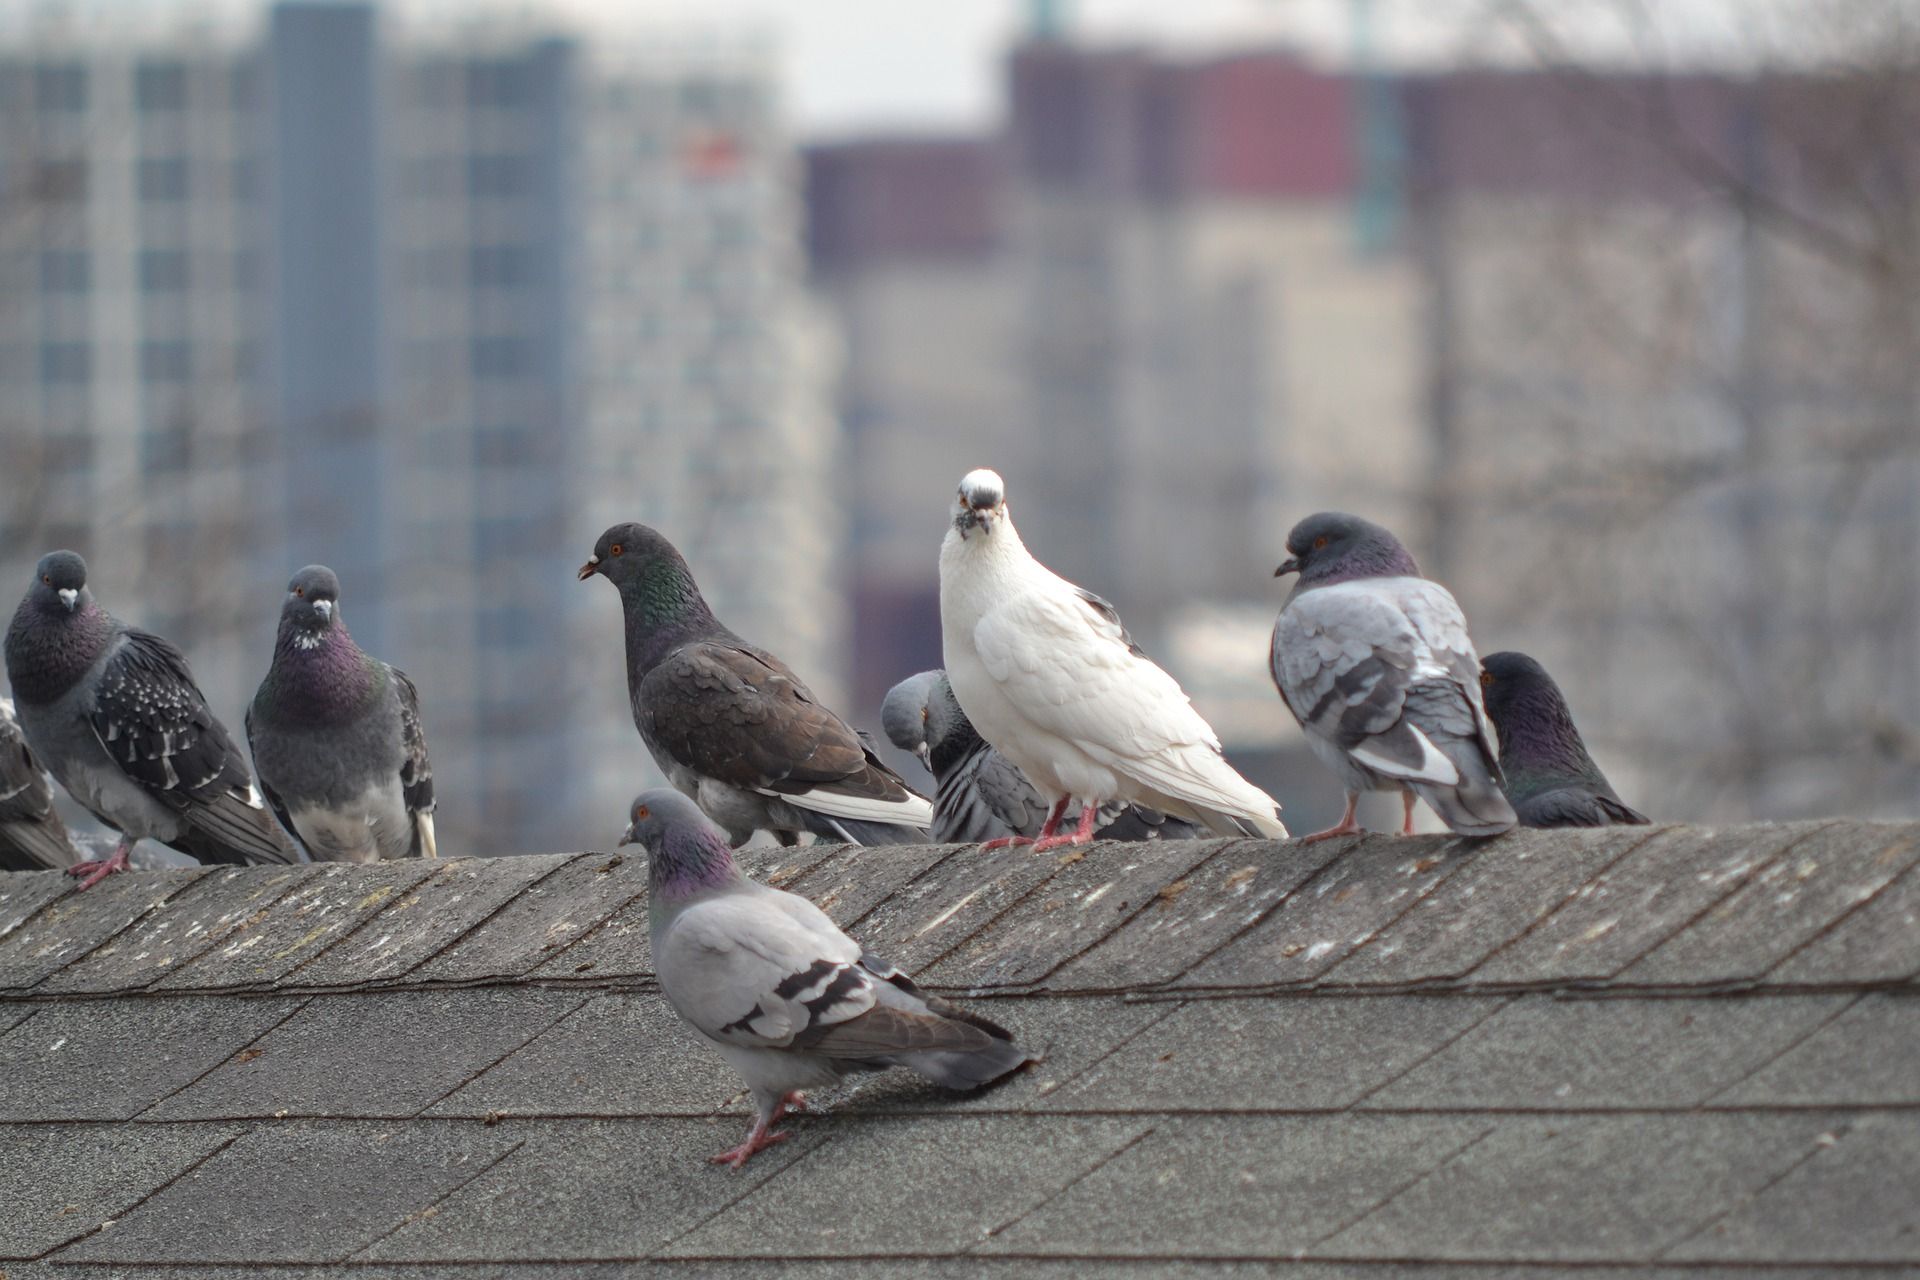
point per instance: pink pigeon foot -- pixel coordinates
(759, 1138)
(1082, 834)
(98, 870)
(1347, 826)
(795, 1103)
(1406, 828)
(1005, 842)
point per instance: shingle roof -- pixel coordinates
(1666, 1051)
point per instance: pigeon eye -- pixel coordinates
(300, 591)
(1486, 679)
(1320, 542)
(616, 548)
(47, 578)
(642, 812)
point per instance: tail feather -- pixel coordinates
(857, 831)
(1475, 806)
(1198, 784)
(971, 1069)
(35, 846)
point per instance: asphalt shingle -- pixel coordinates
(1235, 888)
(1606, 1188)
(325, 904)
(1783, 906)
(946, 905)
(544, 920)
(1220, 1186)
(421, 922)
(853, 881)
(299, 1192)
(69, 925)
(1087, 899)
(590, 1063)
(969, 1174)
(1540, 1052)
(1369, 886)
(1867, 1056)
(1288, 1054)
(192, 921)
(1641, 901)
(58, 1182)
(1495, 897)
(112, 1059)
(1878, 941)
(370, 1054)
(590, 1191)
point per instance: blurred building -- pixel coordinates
(435, 306)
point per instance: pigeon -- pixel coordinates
(1052, 681)
(32, 837)
(731, 725)
(1550, 779)
(1374, 662)
(114, 713)
(337, 739)
(790, 1001)
(979, 794)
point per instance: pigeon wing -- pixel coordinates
(416, 770)
(737, 715)
(153, 721)
(759, 974)
(985, 796)
(1577, 807)
(1344, 659)
(32, 837)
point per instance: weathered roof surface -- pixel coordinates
(1646, 1052)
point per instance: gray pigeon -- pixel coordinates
(1550, 778)
(980, 796)
(790, 1001)
(32, 837)
(336, 737)
(1374, 662)
(114, 713)
(731, 726)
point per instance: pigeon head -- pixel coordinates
(312, 604)
(904, 714)
(647, 569)
(1335, 547)
(60, 583)
(686, 852)
(981, 500)
(1528, 711)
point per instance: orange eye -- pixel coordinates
(642, 812)
(1320, 542)
(47, 578)
(1486, 679)
(616, 548)
(300, 591)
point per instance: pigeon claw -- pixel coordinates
(95, 871)
(757, 1141)
(1005, 842)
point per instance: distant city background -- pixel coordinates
(1628, 352)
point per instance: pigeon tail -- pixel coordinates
(1475, 806)
(855, 831)
(967, 1069)
(1577, 806)
(35, 846)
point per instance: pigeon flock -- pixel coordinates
(1047, 727)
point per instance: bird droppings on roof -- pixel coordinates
(1633, 1051)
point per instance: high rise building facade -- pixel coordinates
(433, 305)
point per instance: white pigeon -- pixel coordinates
(1051, 680)
(790, 1001)
(1375, 663)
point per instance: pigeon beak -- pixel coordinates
(1287, 566)
(926, 756)
(591, 567)
(325, 609)
(69, 597)
(626, 837)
